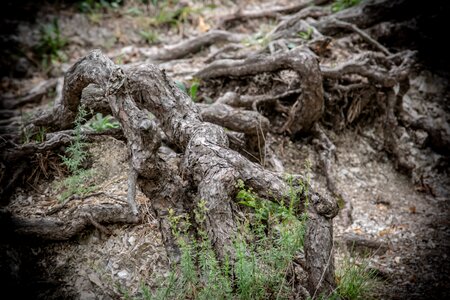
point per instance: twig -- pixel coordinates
(131, 197)
(361, 33)
(97, 225)
(195, 44)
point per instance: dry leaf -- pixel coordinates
(357, 230)
(385, 231)
(202, 26)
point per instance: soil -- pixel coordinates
(400, 222)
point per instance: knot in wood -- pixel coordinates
(324, 206)
(116, 81)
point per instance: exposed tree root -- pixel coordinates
(32, 96)
(69, 223)
(240, 15)
(195, 44)
(309, 105)
(209, 169)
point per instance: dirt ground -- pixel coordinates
(399, 222)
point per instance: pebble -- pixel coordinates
(123, 274)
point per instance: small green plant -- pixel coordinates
(264, 250)
(150, 37)
(40, 136)
(181, 86)
(258, 39)
(339, 5)
(194, 89)
(174, 18)
(354, 280)
(96, 6)
(76, 155)
(306, 35)
(51, 44)
(134, 11)
(101, 123)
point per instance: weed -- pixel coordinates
(259, 39)
(181, 86)
(95, 18)
(40, 136)
(76, 155)
(100, 123)
(134, 11)
(265, 248)
(306, 35)
(339, 5)
(174, 18)
(96, 6)
(51, 44)
(194, 89)
(28, 136)
(150, 37)
(354, 280)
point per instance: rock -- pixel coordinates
(86, 295)
(123, 274)
(93, 277)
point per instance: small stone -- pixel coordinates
(132, 241)
(86, 295)
(123, 274)
(93, 277)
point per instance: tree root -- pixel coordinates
(194, 45)
(309, 105)
(268, 13)
(209, 169)
(66, 225)
(32, 96)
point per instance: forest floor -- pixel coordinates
(400, 224)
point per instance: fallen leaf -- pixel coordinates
(385, 231)
(357, 230)
(202, 26)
